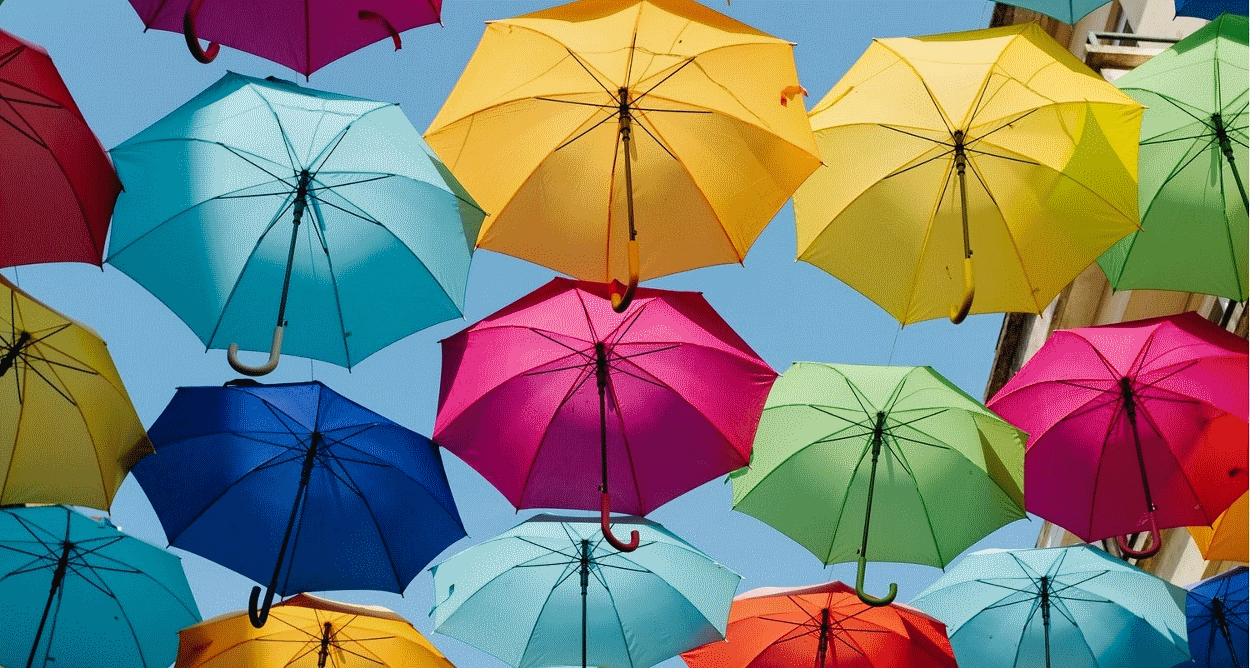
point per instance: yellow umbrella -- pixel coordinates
(572, 124)
(307, 631)
(1225, 539)
(68, 433)
(997, 147)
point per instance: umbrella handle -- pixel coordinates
(604, 514)
(259, 617)
(275, 350)
(790, 92)
(866, 597)
(366, 15)
(959, 313)
(1151, 548)
(620, 302)
(193, 42)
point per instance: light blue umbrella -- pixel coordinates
(550, 592)
(1077, 606)
(77, 592)
(1068, 11)
(215, 194)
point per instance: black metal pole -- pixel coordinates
(10, 355)
(58, 577)
(1130, 410)
(822, 646)
(1046, 616)
(626, 125)
(324, 652)
(301, 201)
(1217, 611)
(601, 379)
(584, 571)
(258, 620)
(1226, 145)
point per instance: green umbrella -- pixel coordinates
(1192, 172)
(840, 445)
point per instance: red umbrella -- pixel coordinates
(826, 626)
(1132, 426)
(58, 187)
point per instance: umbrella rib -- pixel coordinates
(332, 205)
(629, 454)
(616, 335)
(668, 76)
(645, 352)
(577, 384)
(578, 102)
(1002, 157)
(267, 464)
(379, 177)
(940, 142)
(654, 138)
(315, 210)
(587, 130)
(1008, 124)
(351, 484)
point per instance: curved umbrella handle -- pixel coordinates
(193, 42)
(959, 313)
(259, 617)
(789, 92)
(604, 516)
(275, 350)
(366, 15)
(620, 302)
(1151, 548)
(864, 596)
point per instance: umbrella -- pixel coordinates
(302, 36)
(1079, 605)
(244, 471)
(668, 392)
(1068, 11)
(309, 631)
(77, 592)
(997, 147)
(1120, 423)
(523, 596)
(1216, 611)
(777, 627)
(69, 432)
(1225, 539)
(687, 109)
(838, 441)
(1209, 9)
(57, 189)
(1193, 196)
(216, 191)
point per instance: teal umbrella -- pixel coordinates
(1076, 606)
(260, 198)
(1068, 11)
(77, 592)
(551, 592)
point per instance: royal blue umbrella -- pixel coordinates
(75, 591)
(1209, 9)
(298, 485)
(1216, 609)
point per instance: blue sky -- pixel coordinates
(124, 79)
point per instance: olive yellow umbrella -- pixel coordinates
(1225, 539)
(615, 137)
(996, 147)
(68, 432)
(305, 632)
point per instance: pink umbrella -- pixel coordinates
(304, 36)
(1120, 419)
(669, 393)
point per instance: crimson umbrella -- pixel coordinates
(304, 36)
(1132, 426)
(560, 402)
(57, 186)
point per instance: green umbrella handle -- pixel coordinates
(868, 598)
(959, 313)
(1151, 548)
(366, 15)
(604, 515)
(275, 351)
(193, 42)
(620, 302)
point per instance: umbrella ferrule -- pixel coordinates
(1045, 604)
(961, 158)
(301, 195)
(1130, 402)
(10, 355)
(584, 569)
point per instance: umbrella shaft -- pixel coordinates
(10, 356)
(961, 163)
(58, 577)
(324, 652)
(300, 492)
(1218, 609)
(877, 435)
(822, 647)
(601, 377)
(585, 573)
(626, 130)
(301, 201)
(1045, 605)
(1226, 146)
(1130, 411)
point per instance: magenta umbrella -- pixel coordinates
(668, 393)
(304, 36)
(1128, 426)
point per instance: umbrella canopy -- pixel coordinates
(838, 441)
(525, 596)
(296, 484)
(1068, 11)
(776, 627)
(1077, 606)
(216, 191)
(304, 36)
(69, 432)
(57, 188)
(1216, 610)
(995, 147)
(1225, 539)
(309, 632)
(1132, 426)
(1193, 168)
(662, 113)
(77, 592)
(1209, 9)
(560, 402)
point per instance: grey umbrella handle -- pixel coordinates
(275, 351)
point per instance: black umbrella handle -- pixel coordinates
(259, 614)
(193, 41)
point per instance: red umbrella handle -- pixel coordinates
(366, 15)
(1151, 548)
(193, 42)
(604, 515)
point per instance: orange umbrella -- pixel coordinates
(1225, 539)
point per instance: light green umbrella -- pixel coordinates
(841, 445)
(1192, 169)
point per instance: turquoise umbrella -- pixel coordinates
(550, 592)
(1076, 606)
(77, 592)
(259, 197)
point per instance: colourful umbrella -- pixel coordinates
(1209, 9)
(68, 433)
(525, 595)
(258, 477)
(1116, 417)
(1018, 608)
(1068, 11)
(838, 441)
(1216, 609)
(777, 627)
(667, 390)
(57, 188)
(304, 36)
(1225, 539)
(77, 592)
(215, 194)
